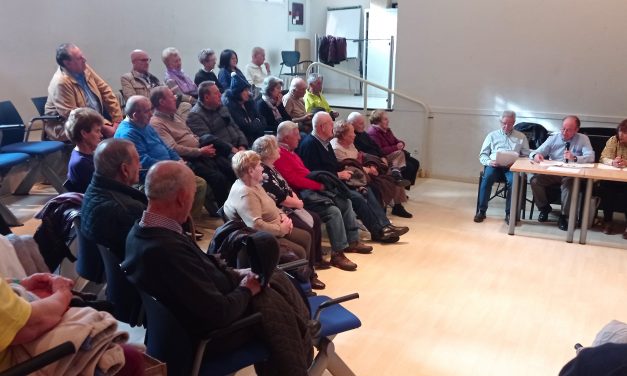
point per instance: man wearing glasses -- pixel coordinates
(505, 139)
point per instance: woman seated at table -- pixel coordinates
(614, 194)
(270, 104)
(83, 127)
(277, 188)
(249, 202)
(385, 185)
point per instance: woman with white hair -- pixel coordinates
(249, 202)
(270, 104)
(175, 78)
(277, 188)
(207, 58)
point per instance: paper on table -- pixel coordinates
(563, 169)
(506, 157)
(602, 166)
(578, 165)
(551, 163)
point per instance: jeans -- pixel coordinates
(340, 222)
(490, 176)
(369, 211)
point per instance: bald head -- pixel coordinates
(139, 110)
(323, 126)
(170, 188)
(140, 61)
(298, 87)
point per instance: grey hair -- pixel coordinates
(257, 50)
(353, 116)
(163, 182)
(284, 129)
(265, 146)
(166, 53)
(313, 78)
(317, 119)
(508, 113)
(156, 94)
(63, 53)
(269, 83)
(204, 54)
(340, 128)
(132, 103)
(110, 154)
(203, 89)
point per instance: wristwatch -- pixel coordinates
(575, 158)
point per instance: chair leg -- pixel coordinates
(48, 172)
(39, 168)
(8, 216)
(328, 359)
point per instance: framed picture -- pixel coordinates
(296, 15)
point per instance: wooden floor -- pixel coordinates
(459, 298)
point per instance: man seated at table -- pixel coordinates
(501, 140)
(567, 146)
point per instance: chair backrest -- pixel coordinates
(598, 144)
(598, 131)
(9, 114)
(40, 104)
(290, 58)
(12, 133)
(536, 133)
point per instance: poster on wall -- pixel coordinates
(296, 15)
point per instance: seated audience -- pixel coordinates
(249, 202)
(567, 146)
(209, 116)
(140, 81)
(317, 154)
(314, 98)
(75, 84)
(243, 110)
(205, 161)
(228, 65)
(614, 194)
(335, 210)
(111, 204)
(391, 146)
(270, 104)
(258, 69)
(385, 185)
(174, 74)
(295, 105)
(285, 199)
(83, 129)
(203, 294)
(151, 148)
(207, 58)
(504, 139)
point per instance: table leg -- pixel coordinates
(586, 212)
(514, 203)
(572, 215)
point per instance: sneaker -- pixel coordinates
(399, 211)
(479, 217)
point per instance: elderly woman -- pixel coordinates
(83, 128)
(249, 202)
(385, 185)
(242, 108)
(270, 104)
(277, 188)
(207, 58)
(175, 78)
(392, 147)
(614, 194)
(228, 65)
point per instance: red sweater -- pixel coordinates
(293, 170)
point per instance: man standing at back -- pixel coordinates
(566, 146)
(75, 84)
(505, 139)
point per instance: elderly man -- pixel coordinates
(258, 69)
(209, 116)
(338, 217)
(203, 294)
(205, 161)
(314, 98)
(505, 139)
(151, 148)
(75, 84)
(565, 146)
(295, 105)
(317, 154)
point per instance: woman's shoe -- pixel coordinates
(607, 228)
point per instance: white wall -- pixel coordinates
(470, 60)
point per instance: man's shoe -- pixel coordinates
(396, 230)
(342, 262)
(322, 265)
(562, 223)
(386, 235)
(358, 247)
(507, 218)
(607, 228)
(479, 217)
(399, 211)
(317, 284)
(399, 179)
(544, 214)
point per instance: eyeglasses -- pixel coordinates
(148, 60)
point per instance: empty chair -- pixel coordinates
(7, 162)
(14, 141)
(291, 60)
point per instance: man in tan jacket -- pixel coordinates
(75, 84)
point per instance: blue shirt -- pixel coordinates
(555, 146)
(92, 100)
(150, 147)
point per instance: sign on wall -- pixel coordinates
(296, 15)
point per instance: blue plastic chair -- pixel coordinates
(8, 161)
(13, 141)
